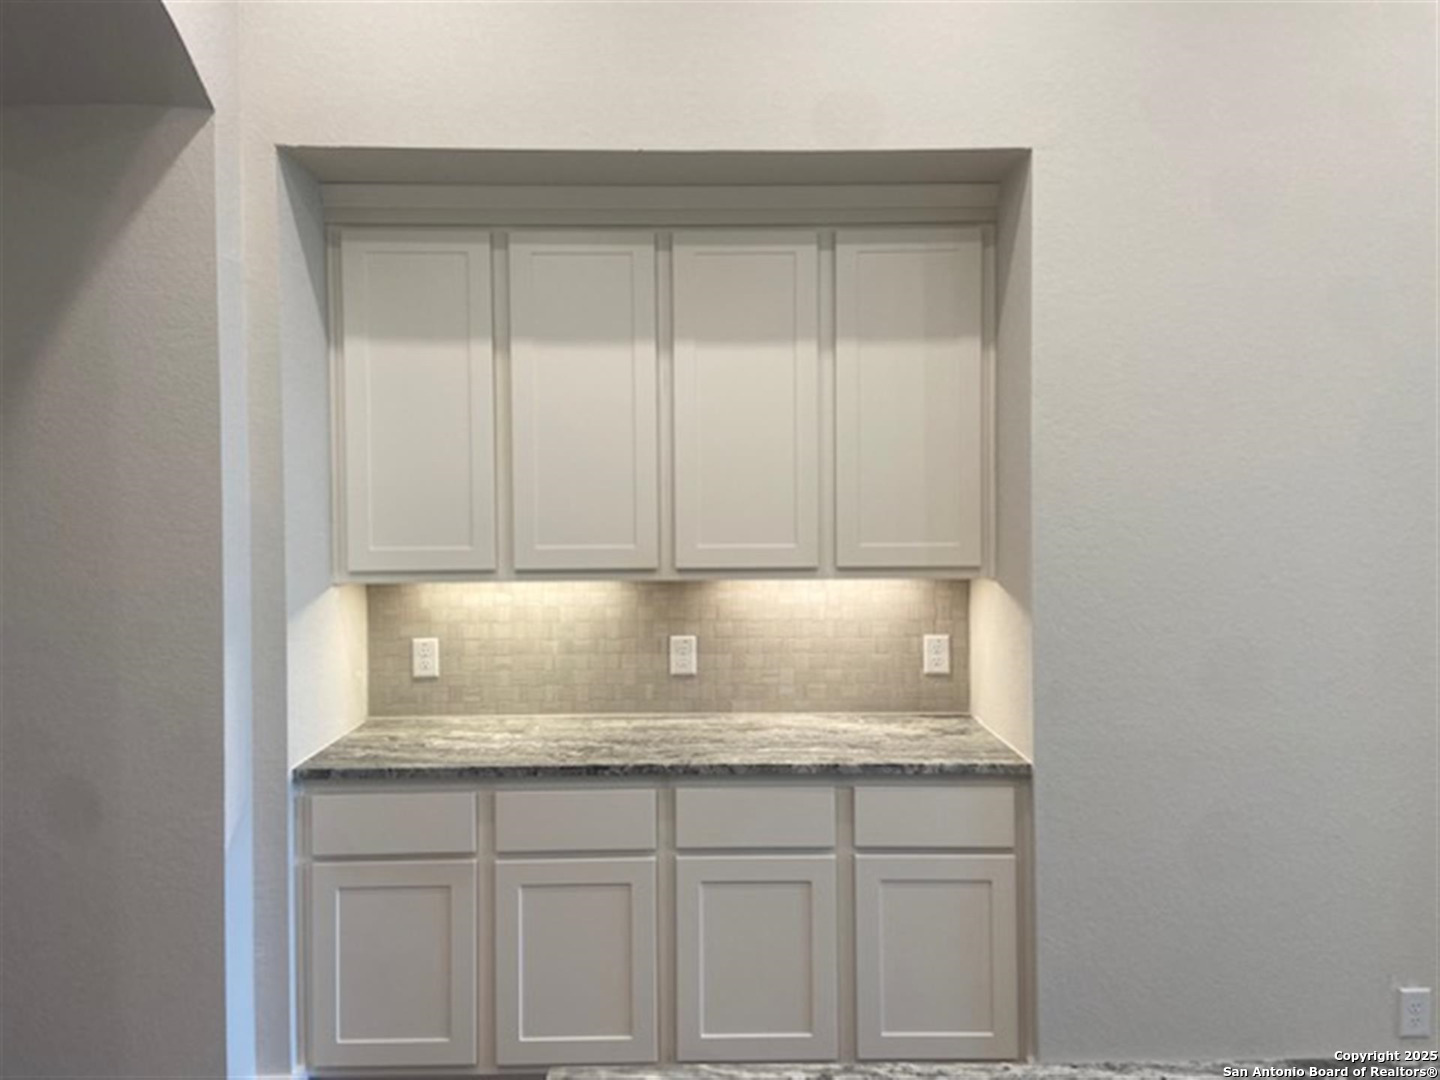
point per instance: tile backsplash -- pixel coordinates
(780, 646)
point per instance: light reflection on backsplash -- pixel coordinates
(769, 646)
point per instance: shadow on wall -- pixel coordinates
(110, 593)
(127, 152)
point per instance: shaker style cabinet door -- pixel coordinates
(417, 401)
(583, 395)
(756, 958)
(392, 964)
(575, 964)
(935, 960)
(910, 388)
(746, 400)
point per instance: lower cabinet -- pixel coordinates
(756, 956)
(575, 961)
(935, 951)
(578, 901)
(392, 963)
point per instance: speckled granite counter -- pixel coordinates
(902, 1070)
(699, 744)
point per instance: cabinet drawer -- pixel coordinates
(754, 817)
(575, 821)
(957, 816)
(413, 823)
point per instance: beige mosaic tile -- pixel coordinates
(765, 646)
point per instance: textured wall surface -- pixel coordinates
(603, 646)
(1001, 636)
(211, 34)
(325, 656)
(112, 814)
(1234, 468)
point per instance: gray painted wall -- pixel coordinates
(111, 777)
(212, 35)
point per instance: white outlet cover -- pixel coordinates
(936, 660)
(684, 654)
(425, 658)
(1416, 1011)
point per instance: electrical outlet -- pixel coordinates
(684, 654)
(425, 658)
(937, 654)
(1415, 1012)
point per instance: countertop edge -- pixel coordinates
(1001, 769)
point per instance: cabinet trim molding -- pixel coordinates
(551, 205)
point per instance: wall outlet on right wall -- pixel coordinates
(1416, 1012)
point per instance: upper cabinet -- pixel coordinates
(416, 402)
(909, 399)
(747, 400)
(584, 412)
(664, 403)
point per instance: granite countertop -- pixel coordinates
(908, 1070)
(693, 744)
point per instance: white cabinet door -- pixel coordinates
(392, 964)
(747, 400)
(575, 961)
(935, 956)
(910, 389)
(756, 958)
(585, 413)
(418, 401)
